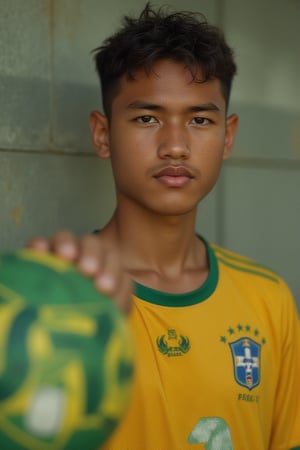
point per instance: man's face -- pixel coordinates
(167, 138)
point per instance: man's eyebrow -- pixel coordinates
(204, 107)
(140, 104)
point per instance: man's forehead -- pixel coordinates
(169, 81)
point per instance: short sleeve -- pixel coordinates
(286, 418)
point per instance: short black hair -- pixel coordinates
(185, 37)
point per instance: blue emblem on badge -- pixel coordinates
(246, 362)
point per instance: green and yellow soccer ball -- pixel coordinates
(66, 357)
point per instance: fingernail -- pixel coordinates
(67, 250)
(105, 282)
(88, 265)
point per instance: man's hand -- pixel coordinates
(93, 258)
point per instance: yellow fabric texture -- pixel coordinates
(220, 373)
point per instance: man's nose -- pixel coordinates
(173, 142)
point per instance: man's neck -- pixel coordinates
(159, 251)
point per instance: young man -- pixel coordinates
(217, 336)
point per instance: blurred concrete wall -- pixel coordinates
(255, 208)
(49, 176)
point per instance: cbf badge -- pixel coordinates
(246, 361)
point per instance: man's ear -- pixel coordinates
(100, 134)
(231, 129)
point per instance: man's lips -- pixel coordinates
(175, 176)
(174, 171)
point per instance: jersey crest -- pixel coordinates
(172, 344)
(246, 361)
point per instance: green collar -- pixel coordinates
(187, 298)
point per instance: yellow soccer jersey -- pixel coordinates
(218, 368)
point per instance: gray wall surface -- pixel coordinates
(49, 175)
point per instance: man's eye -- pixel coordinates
(200, 121)
(146, 119)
